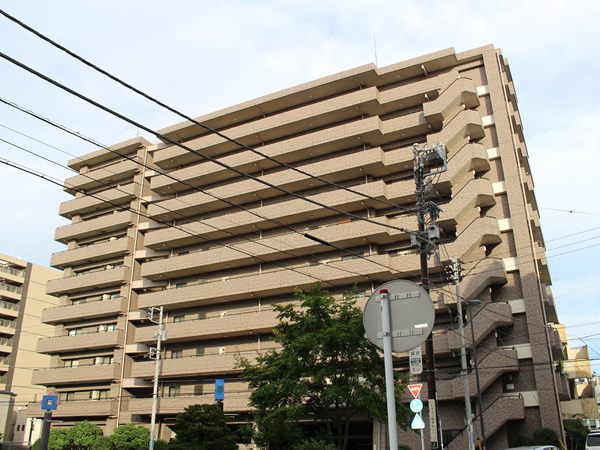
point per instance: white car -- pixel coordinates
(593, 441)
(535, 447)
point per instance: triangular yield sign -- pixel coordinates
(415, 389)
(417, 423)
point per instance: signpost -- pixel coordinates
(398, 317)
(416, 406)
(416, 361)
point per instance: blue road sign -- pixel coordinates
(417, 423)
(416, 405)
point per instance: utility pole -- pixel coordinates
(455, 271)
(424, 163)
(155, 353)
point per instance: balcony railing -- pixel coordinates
(12, 271)
(11, 288)
(8, 323)
(10, 306)
(8, 342)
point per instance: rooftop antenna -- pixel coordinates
(375, 47)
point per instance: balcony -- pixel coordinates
(117, 195)
(345, 235)
(99, 251)
(359, 164)
(6, 344)
(120, 170)
(12, 274)
(8, 326)
(84, 311)
(11, 291)
(81, 374)
(103, 155)
(94, 227)
(234, 402)
(63, 344)
(77, 409)
(277, 127)
(99, 279)
(274, 283)
(216, 327)
(9, 309)
(191, 366)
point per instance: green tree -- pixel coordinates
(202, 427)
(83, 434)
(160, 444)
(546, 436)
(103, 443)
(577, 431)
(129, 436)
(58, 439)
(327, 368)
(278, 429)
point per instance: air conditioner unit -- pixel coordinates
(105, 296)
(223, 313)
(221, 350)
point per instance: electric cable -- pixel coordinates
(184, 116)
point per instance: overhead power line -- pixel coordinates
(184, 116)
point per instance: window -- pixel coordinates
(182, 253)
(71, 363)
(178, 319)
(107, 327)
(198, 389)
(103, 360)
(180, 285)
(66, 396)
(99, 394)
(200, 352)
(75, 331)
(176, 354)
(174, 391)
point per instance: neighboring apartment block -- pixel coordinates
(158, 225)
(582, 381)
(22, 300)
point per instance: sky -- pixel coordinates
(201, 56)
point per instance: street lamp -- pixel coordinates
(471, 303)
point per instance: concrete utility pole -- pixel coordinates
(455, 270)
(159, 338)
(424, 162)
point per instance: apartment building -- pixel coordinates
(582, 381)
(158, 225)
(22, 300)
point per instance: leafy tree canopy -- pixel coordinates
(546, 436)
(327, 368)
(83, 434)
(203, 427)
(577, 431)
(102, 443)
(58, 439)
(129, 436)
